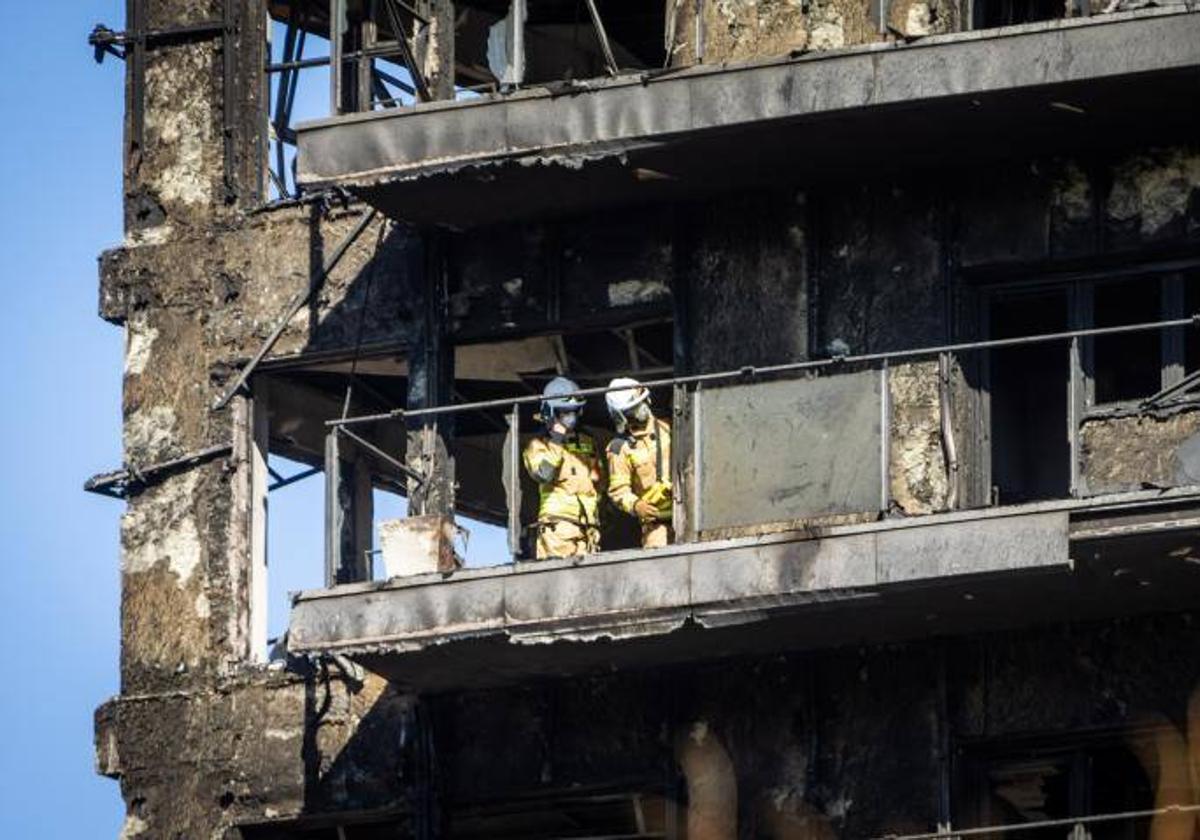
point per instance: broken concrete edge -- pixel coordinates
(1139, 498)
(566, 156)
(239, 677)
(574, 155)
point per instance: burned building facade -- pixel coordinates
(915, 284)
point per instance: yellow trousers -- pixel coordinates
(560, 538)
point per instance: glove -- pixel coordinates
(645, 511)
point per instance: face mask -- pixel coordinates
(569, 419)
(641, 414)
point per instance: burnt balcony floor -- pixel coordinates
(965, 571)
(1064, 85)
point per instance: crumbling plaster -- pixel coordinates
(741, 30)
(1133, 452)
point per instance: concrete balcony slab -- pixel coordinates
(1066, 84)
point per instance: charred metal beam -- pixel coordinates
(293, 45)
(1178, 388)
(399, 465)
(602, 37)
(105, 41)
(131, 480)
(419, 81)
(229, 29)
(282, 481)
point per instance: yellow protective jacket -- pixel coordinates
(567, 475)
(639, 466)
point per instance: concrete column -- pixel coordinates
(430, 381)
(436, 49)
(195, 129)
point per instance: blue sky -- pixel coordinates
(61, 156)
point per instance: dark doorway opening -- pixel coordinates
(995, 13)
(1030, 449)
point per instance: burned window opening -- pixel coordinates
(1030, 449)
(1126, 366)
(1191, 306)
(1055, 778)
(993, 13)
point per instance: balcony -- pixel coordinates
(658, 136)
(791, 535)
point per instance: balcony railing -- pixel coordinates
(826, 420)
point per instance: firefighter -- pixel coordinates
(565, 463)
(639, 461)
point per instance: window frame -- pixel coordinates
(1081, 403)
(1171, 358)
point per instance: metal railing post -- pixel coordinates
(885, 435)
(337, 28)
(697, 462)
(512, 480)
(333, 528)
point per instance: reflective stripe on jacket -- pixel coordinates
(567, 474)
(637, 461)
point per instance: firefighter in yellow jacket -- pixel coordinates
(639, 462)
(566, 466)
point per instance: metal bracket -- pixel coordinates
(105, 41)
(131, 480)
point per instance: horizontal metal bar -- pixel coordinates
(292, 479)
(950, 834)
(381, 50)
(372, 448)
(122, 483)
(751, 371)
(103, 36)
(298, 64)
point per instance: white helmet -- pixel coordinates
(620, 402)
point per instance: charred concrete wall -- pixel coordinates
(193, 307)
(569, 275)
(193, 158)
(257, 748)
(848, 743)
